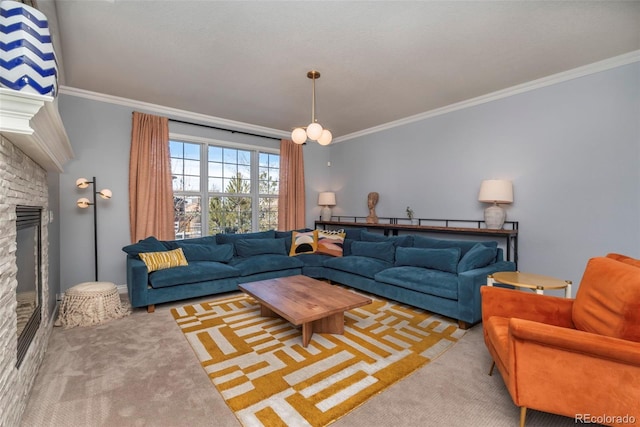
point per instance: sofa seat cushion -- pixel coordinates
(497, 329)
(196, 271)
(265, 263)
(433, 282)
(360, 265)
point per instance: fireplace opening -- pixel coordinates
(29, 276)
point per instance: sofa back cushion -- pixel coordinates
(477, 257)
(404, 240)
(464, 245)
(608, 299)
(384, 251)
(434, 259)
(214, 252)
(231, 237)
(249, 247)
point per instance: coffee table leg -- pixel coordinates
(307, 331)
(267, 312)
(333, 324)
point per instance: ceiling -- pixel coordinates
(380, 61)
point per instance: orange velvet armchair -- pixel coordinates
(574, 357)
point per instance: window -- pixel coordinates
(238, 187)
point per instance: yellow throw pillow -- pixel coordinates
(303, 243)
(330, 242)
(161, 260)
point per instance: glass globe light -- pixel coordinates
(82, 182)
(314, 130)
(83, 203)
(106, 193)
(325, 137)
(299, 136)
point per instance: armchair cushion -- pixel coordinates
(612, 310)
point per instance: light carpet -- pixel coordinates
(267, 378)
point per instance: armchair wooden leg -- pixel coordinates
(523, 415)
(493, 365)
(463, 325)
(151, 308)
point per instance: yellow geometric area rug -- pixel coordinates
(267, 378)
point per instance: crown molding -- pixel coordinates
(607, 64)
(173, 112)
(596, 67)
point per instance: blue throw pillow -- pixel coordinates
(384, 251)
(477, 257)
(435, 259)
(249, 247)
(215, 252)
(150, 244)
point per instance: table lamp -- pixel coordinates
(326, 199)
(495, 191)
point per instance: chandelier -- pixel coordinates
(314, 130)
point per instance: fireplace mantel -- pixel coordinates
(33, 124)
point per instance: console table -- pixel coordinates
(447, 226)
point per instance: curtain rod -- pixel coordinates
(228, 130)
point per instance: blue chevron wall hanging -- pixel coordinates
(27, 60)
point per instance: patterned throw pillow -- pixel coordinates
(331, 242)
(303, 243)
(161, 260)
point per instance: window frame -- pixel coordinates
(204, 192)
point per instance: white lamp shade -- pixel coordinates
(325, 137)
(299, 136)
(314, 130)
(106, 193)
(83, 203)
(82, 182)
(496, 191)
(327, 198)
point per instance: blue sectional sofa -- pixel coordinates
(438, 275)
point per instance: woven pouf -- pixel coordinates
(91, 303)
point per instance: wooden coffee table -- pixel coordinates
(317, 306)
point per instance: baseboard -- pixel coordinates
(122, 289)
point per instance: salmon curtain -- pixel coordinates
(291, 197)
(151, 209)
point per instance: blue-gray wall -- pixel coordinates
(572, 150)
(100, 134)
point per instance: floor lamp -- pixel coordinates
(84, 203)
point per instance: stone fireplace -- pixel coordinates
(24, 183)
(29, 276)
(33, 142)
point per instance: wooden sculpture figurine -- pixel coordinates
(372, 200)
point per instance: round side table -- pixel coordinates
(537, 282)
